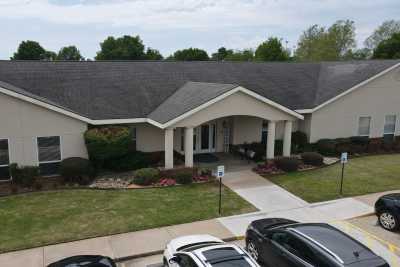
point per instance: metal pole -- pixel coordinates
(341, 182)
(220, 194)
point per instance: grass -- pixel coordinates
(43, 218)
(362, 175)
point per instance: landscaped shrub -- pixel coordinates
(287, 164)
(359, 144)
(299, 141)
(146, 176)
(173, 173)
(132, 161)
(326, 147)
(105, 143)
(24, 176)
(312, 158)
(77, 170)
(375, 145)
(343, 145)
(184, 178)
(396, 145)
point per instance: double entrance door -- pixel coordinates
(205, 138)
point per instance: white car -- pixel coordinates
(205, 251)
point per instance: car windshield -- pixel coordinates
(195, 246)
(225, 257)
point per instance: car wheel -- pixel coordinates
(388, 221)
(253, 250)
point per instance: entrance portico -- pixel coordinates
(235, 118)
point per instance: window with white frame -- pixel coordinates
(264, 132)
(389, 128)
(364, 126)
(49, 154)
(134, 137)
(4, 160)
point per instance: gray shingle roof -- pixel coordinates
(138, 89)
(192, 94)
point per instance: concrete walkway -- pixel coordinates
(121, 246)
(274, 201)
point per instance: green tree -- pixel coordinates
(222, 54)
(383, 32)
(123, 48)
(358, 54)
(388, 49)
(241, 55)
(29, 50)
(190, 54)
(153, 54)
(271, 50)
(318, 43)
(69, 53)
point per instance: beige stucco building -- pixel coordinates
(46, 107)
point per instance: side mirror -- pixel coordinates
(175, 259)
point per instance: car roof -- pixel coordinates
(222, 255)
(336, 243)
(187, 240)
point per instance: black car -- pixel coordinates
(84, 260)
(387, 208)
(286, 243)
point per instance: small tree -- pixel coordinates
(153, 54)
(123, 48)
(69, 53)
(190, 54)
(388, 49)
(29, 50)
(271, 50)
(222, 54)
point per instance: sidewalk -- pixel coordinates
(119, 247)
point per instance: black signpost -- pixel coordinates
(220, 174)
(343, 160)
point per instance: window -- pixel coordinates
(264, 132)
(294, 245)
(389, 128)
(49, 155)
(4, 160)
(364, 125)
(187, 261)
(134, 136)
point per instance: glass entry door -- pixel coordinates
(205, 138)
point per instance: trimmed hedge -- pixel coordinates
(326, 147)
(77, 170)
(24, 176)
(106, 143)
(184, 178)
(312, 158)
(146, 176)
(173, 173)
(130, 162)
(287, 164)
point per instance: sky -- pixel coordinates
(169, 25)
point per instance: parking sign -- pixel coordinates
(221, 171)
(343, 158)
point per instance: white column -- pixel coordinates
(189, 147)
(271, 140)
(287, 138)
(169, 148)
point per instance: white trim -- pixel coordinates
(231, 92)
(355, 87)
(304, 111)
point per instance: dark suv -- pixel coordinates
(387, 208)
(286, 243)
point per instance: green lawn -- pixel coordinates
(37, 219)
(362, 176)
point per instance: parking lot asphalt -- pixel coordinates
(364, 229)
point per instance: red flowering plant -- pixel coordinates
(267, 168)
(165, 182)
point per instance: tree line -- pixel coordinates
(316, 43)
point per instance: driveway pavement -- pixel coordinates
(274, 201)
